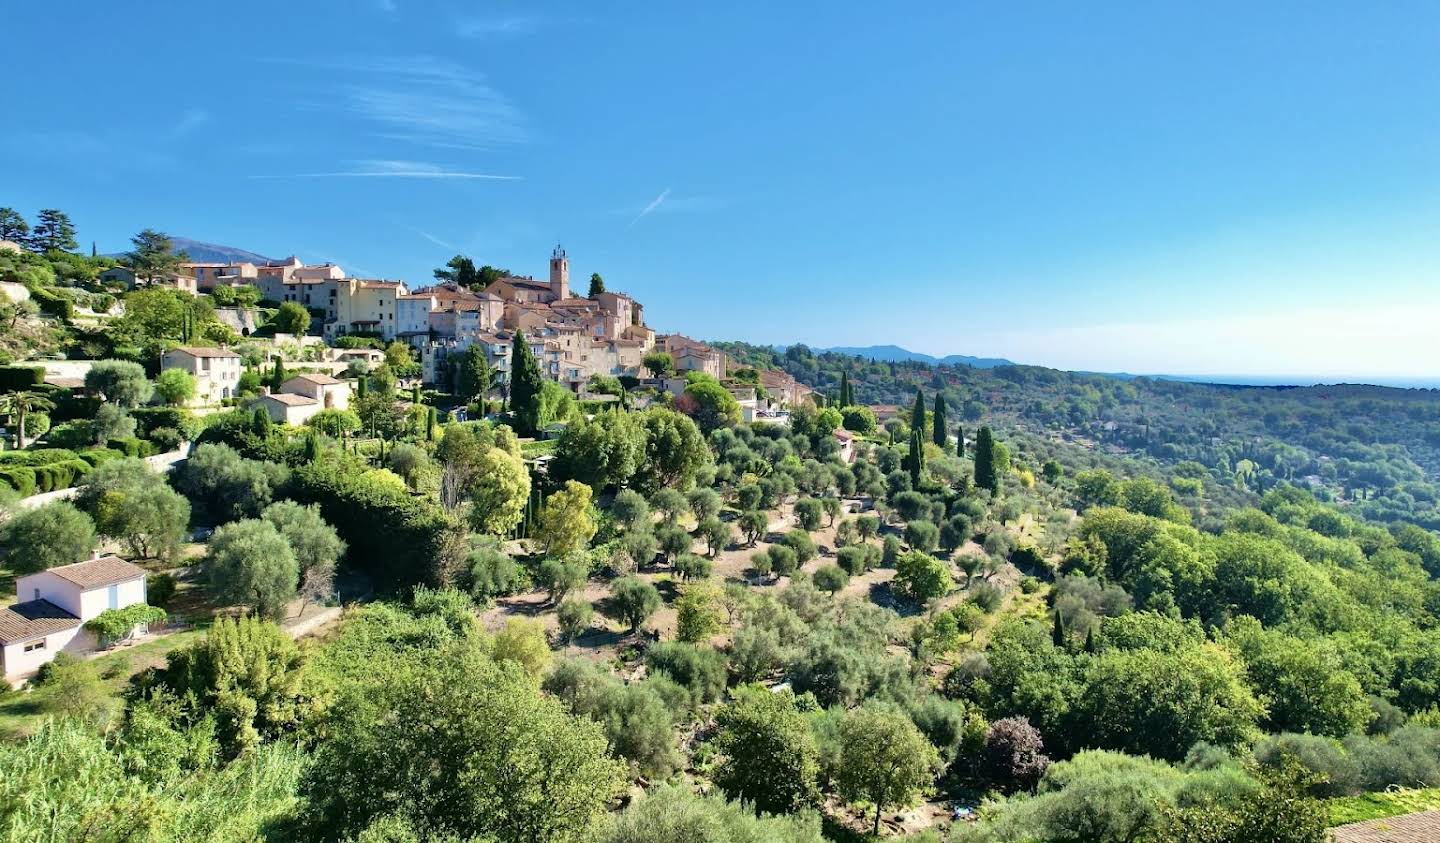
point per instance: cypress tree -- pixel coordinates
(430, 421)
(937, 420)
(1090, 640)
(987, 474)
(260, 423)
(415, 397)
(1057, 634)
(845, 399)
(959, 440)
(917, 415)
(312, 447)
(277, 377)
(362, 386)
(525, 386)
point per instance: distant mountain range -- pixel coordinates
(211, 252)
(896, 354)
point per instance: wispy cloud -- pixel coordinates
(192, 119)
(421, 99)
(651, 208)
(496, 26)
(391, 169)
(436, 240)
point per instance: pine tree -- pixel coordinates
(987, 473)
(597, 285)
(53, 232)
(525, 386)
(915, 459)
(917, 415)
(937, 420)
(13, 227)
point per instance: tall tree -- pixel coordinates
(525, 386)
(20, 404)
(473, 375)
(937, 421)
(987, 471)
(917, 414)
(846, 399)
(959, 440)
(53, 232)
(152, 255)
(13, 227)
(597, 284)
(459, 270)
(884, 760)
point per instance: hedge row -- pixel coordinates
(53, 303)
(131, 446)
(17, 378)
(49, 469)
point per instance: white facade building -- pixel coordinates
(54, 606)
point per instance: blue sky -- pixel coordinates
(1151, 187)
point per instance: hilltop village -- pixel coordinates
(287, 554)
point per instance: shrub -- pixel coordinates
(1014, 756)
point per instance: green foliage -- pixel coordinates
(130, 502)
(768, 756)
(884, 759)
(225, 486)
(632, 601)
(53, 534)
(526, 384)
(674, 812)
(247, 674)
(249, 563)
(117, 624)
(921, 577)
(119, 382)
(480, 752)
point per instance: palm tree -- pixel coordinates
(18, 404)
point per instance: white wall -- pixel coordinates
(61, 592)
(97, 600)
(19, 663)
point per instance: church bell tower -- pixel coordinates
(559, 273)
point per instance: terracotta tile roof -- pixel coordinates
(375, 283)
(289, 399)
(195, 351)
(94, 573)
(33, 619)
(315, 377)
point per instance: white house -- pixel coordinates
(216, 371)
(54, 606)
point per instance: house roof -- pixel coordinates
(94, 573)
(315, 377)
(289, 399)
(516, 281)
(33, 619)
(195, 351)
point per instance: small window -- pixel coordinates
(35, 645)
